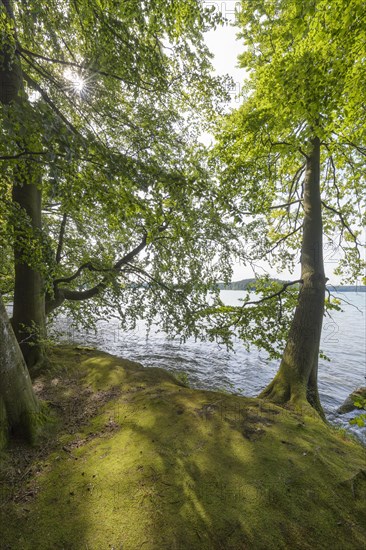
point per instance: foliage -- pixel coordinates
(183, 378)
(305, 69)
(359, 420)
(116, 96)
(297, 88)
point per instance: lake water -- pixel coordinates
(209, 366)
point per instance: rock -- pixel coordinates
(348, 404)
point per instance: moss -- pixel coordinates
(3, 426)
(159, 465)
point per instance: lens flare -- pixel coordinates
(76, 82)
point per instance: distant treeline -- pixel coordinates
(356, 288)
(243, 285)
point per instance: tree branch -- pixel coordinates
(281, 291)
(131, 255)
(266, 298)
(24, 52)
(286, 205)
(345, 225)
(275, 207)
(33, 84)
(342, 299)
(143, 272)
(62, 294)
(22, 154)
(61, 239)
(295, 180)
(80, 295)
(283, 239)
(359, 148)
(116, 267)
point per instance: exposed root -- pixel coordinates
(282, 394)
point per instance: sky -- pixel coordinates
(225, 46)
(223, 43)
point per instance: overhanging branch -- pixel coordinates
(270, 297)
(344, 223)
(22, 154)
(283, 239)
(274, 295)
(62, 294)
(116, 267)
(275, 207)
(138, 270)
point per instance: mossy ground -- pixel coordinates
(138, 460)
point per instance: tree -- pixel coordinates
(293, 156)
(29, 299)
(20, 411)
(101, 106)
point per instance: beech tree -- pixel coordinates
(104, 181)
(293, 158)
(20, 411)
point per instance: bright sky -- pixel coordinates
(224, 45)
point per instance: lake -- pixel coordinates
(209, 366)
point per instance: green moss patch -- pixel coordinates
(141, 461)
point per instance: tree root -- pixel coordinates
(281, 393)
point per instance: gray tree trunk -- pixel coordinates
(296, 380)
(20, 411)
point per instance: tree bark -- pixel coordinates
(29, 320)
(296, 380)
(29, 316)
(20, 411)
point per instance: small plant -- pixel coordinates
(360, 403)
(183, 378)
(359, 420)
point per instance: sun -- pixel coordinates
(77, 83)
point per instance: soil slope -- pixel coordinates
(135, 459)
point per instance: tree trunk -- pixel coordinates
(29, 319)
(20, 411)
(296, 380)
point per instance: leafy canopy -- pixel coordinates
(305, 63)
(116, 96)
(306, 67)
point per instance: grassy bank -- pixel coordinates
(137, 460)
